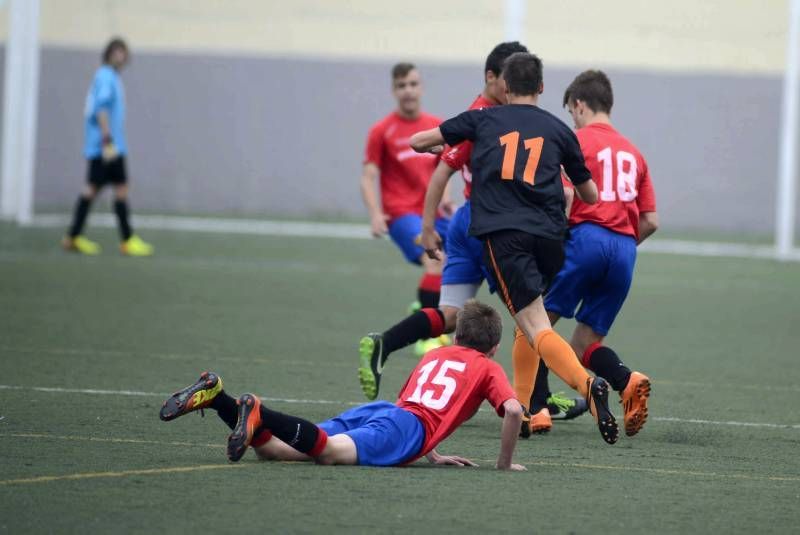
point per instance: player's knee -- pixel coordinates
(450, 315)
(121, 193)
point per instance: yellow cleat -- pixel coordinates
(135, 246)
(81, 244)
(423, 346)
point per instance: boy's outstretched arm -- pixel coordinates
(427, 139)
(434, 457)
(508, 436)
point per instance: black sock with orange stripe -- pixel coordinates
(605, 362)
(300, 434)
(226, 408)
(430, 286)
(425, 323)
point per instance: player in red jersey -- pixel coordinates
(444, 390)
(404, 176)
(601, 248)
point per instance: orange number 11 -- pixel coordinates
(511, 143)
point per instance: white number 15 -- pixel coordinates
(425, 396)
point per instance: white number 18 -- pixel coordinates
(626, 176)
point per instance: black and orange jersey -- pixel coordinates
(518, 151)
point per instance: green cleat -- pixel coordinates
(370, 350)
(564, 408)
(81, 244)
(135, 246)
(429, 344)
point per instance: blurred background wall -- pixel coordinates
(262, 108)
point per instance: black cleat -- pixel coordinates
(246, 426)
(598, 404)
(194, 397)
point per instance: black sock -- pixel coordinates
(121, 209)
(80, 215)
(425, 323)
(427, 298)
(300, 434)
(604, 362)
(226, 408)
(541, 388)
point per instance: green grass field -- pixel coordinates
(90, 347)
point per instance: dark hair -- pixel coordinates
(478, 326)
(402, 69)
(115, 44)
(523, 74)
(495, 59)
(593, 88)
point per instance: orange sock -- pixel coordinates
(561, 359)
(525, 362)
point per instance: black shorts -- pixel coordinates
(101, 173)
(523, 264)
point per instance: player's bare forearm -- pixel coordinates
(587, 191)
(508, 436)
(648, 224)
(427, 139)
(569, 198)
(435, 194)
(434, 457)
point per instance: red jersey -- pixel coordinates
(405, 174)
(447, 387)
(620, 172)
(458, 157)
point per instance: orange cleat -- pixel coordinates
(634, 402)
(246, 426)
(541, 422)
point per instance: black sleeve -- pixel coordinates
(462, 126)
(573, 162)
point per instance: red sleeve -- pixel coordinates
(457, 157)
(497, 388)
(374, 151)
(646, 200)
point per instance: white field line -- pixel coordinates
(101, 392)
(358, 231)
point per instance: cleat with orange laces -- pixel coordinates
(634, 402)
(194, 397)
(246, 426)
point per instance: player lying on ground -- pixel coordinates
(403, 176)
(464, 269)
(444, 390)
(518, 213)
(600, 251)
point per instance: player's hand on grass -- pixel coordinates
(454, 460)
(378, 224)
(512, 467)
(432, 243)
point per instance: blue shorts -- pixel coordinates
(464, 262)
(384, 434)
(597, 274)
(406, 230)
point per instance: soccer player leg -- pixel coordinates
(522, 264)
(595, 317)
(74, 240)
(405, 231)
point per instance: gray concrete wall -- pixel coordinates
(262, 135)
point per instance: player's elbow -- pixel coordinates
(513, 409)
(587, 192)
(650, 220)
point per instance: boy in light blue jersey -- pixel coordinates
(105, 149)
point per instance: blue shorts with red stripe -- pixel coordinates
(596, 275)
(384, 434)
